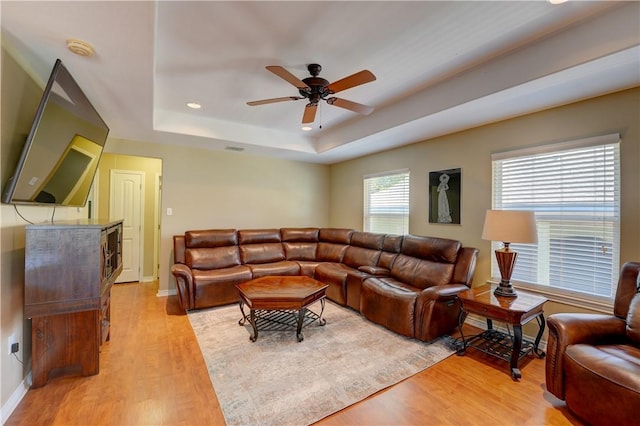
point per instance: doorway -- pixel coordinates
(151, 170)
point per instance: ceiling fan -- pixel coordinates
(316, 88)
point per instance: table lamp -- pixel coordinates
(508, 226)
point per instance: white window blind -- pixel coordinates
(386, 202)
(574, 190)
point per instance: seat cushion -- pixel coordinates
(286, 267)
(217, 287)
(603, 383)
(335, 276)
(390, 303)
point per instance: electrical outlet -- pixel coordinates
(11, 342)
(15, 347)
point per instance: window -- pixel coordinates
(386, 202)
(574, 190)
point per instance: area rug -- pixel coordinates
(280, 381)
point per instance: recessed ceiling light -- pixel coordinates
(557, 1)
(194, 105)
(307, 128)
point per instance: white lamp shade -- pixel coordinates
(510, 226)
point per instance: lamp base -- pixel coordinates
(505, 290)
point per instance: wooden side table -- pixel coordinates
(514, 311)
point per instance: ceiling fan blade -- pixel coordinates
(351, 106)
(286, 75)
(362, 77)
(273, 100)
(309, 115)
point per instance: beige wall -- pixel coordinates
(471, 151)
(150, 167)
(212, 189)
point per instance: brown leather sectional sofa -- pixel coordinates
(406, 283)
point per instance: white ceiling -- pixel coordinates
(441, 67)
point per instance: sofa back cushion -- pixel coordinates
(300, 250)
(335, 235)
(331, 252)
(309, 235)
(212, 258)
(258, 236)
(211, 238)
(368, 240)
(425, 261)
(633, 320)
(431, 248)
(421, 273)
(358, 256)
(390, 249)
(261, 253)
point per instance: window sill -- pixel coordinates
(578, 300)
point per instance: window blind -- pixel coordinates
(574, 190)
(386, 202)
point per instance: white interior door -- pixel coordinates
(125, 202)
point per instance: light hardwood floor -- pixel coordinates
(152, 373)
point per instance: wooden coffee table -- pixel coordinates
(281, 302)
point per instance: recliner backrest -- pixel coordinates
(425, 261)
(364, 250)
(260, 246)
(628, 283)
(333, 244)
(211, 249)
(300, 243)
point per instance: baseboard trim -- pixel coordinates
(15, 398)
(147, 279)
(481, 322)
(165, 293)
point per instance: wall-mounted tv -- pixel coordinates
(61, 153)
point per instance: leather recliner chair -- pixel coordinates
(593, 360)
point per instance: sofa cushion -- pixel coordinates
(217, 287)
(358, 256)
(331, 252)
(285, 267)
(440, 250)
(335, 235)
(300, 250)
(605, 382)
(421, 273)
(335, 276)
(212, 258)
(368, 240)
(633, 320)
(300, 234)
(390, 303)
(261, 253)
(211, 238)
(258, 236)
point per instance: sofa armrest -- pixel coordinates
(375, 271)
(442, 292)
(184, 285)
(573, 328)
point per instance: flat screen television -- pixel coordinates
(61, 153)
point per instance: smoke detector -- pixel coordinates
(80, 47)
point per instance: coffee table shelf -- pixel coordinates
(283, 320)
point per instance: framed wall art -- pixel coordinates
(445, 189)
